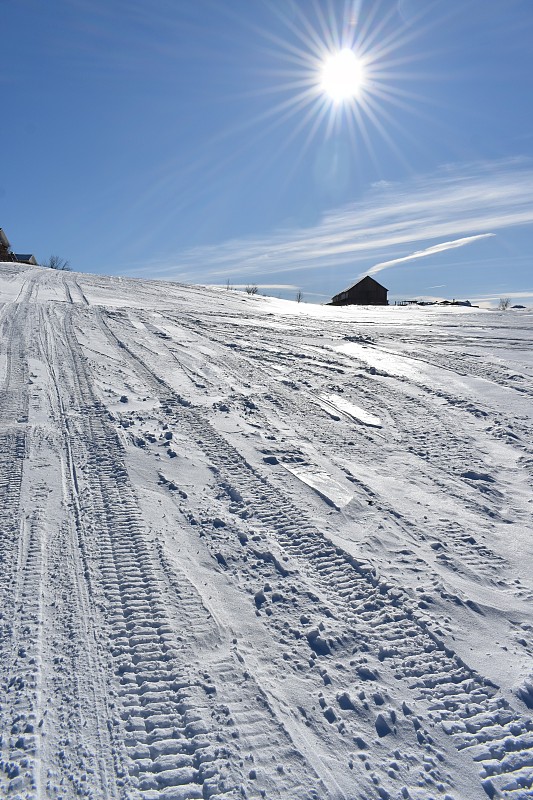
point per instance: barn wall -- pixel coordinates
(367, 295)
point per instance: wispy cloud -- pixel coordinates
(458, 204)
(428, 251)
(510, 295)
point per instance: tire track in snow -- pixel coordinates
(172, 752)
(23, 667)
(443, 460)
(83, 745)
(13, 450)
(444, 449)
(22, 711)
(488, 369)
(465, 703)
(47, 706)
(73, 284)
(469, 707)
(247, 701)
(261, 741)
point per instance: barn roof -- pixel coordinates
(366, 279)
(26, 258)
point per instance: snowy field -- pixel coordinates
(255, 549)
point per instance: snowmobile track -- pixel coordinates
(175, 621)
(459, 697)
(161, 716)
(13, 451)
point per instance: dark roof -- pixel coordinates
(366, 279)
(25, 258)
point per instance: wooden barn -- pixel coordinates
(366, 292)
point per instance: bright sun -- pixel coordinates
(342, 76)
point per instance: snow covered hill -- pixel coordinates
(255, 549)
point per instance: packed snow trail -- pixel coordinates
(258, 550)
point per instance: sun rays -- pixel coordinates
(334, 69)
(319, 70)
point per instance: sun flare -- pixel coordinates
(342, 76)
(339, 67)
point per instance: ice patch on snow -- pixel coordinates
(323, 484)
(334, 402)
(391, 363)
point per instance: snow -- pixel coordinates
(258, 549)
(324, 485)
(350, 410)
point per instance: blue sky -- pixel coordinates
(192, 140)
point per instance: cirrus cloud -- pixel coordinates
(459, 204)
(428, 251)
